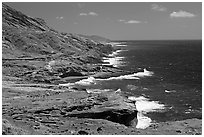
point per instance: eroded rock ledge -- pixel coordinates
(43, 111)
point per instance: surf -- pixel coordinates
(143, 106)
(91, 80)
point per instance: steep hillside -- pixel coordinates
(29, 44)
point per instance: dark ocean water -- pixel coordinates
(177, 79)
(173, 92)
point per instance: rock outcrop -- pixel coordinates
(42, 109)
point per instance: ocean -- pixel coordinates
(169, 84)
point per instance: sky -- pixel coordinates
(120, 20)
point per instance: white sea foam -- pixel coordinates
(143, 121)
(92, 80)
(97, 90)
(130, 76)
(145, 73)
(113, 54)
(120, 45)
(115, 61)
(67, 84)
(143, 105)
(121, 50)
(85, 82)
(169, 91)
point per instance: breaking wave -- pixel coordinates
(145, 73)
(144, 105)
(130, 76)
(85, 82)
(121, 45)
(116, 53)
(114, 61)
(169, 91)
(92, 80)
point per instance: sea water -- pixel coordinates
(169, 85)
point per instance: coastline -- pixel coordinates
(78, 124)
(45, 74)
(28, 115)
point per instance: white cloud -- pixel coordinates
(60, 18)
(182, 14)
(158, 7)
(90, 13)
(83, 14)
(132, 22)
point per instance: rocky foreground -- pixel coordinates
(52, 109)
(36, 58)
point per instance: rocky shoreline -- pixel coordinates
(37, 58)
(36, 109)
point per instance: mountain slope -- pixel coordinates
(26, 38)
(29, 34)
